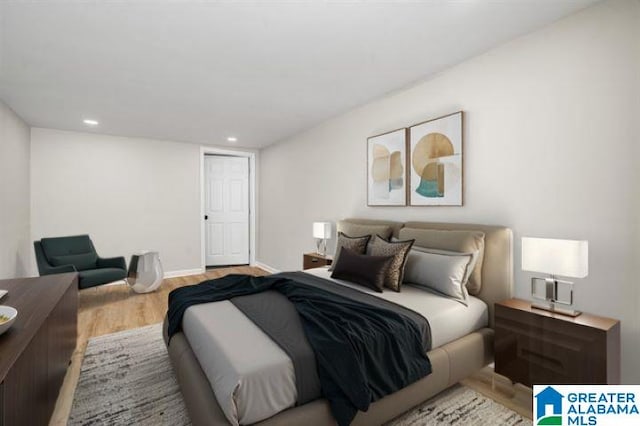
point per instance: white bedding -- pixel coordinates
(250, 375)
(449, 319)
(253, 379)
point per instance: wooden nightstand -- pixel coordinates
(315, 260)
(538, 347)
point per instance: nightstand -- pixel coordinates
(538, 347)
(315, 260)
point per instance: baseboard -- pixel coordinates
(183, 273)
(266, 267)
(119, 282)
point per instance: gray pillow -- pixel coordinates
(355, 244)
(441, 272)
(360, 230)
(453, 240)
(470, 267)
(399, 250)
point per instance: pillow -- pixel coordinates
(460, 241)
(369, 271)
(399, 251)
(360, 230)
(443, 273)
(356, 244)
(470, 267)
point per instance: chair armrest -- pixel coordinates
(112, 262)
(44, 267)
(50, 270)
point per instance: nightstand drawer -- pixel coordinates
(531, 357)
(535, 348)
(312, 260)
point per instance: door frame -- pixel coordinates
(204, 150)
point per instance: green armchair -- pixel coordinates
(77, 254)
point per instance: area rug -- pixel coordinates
(460, 406)
(127, 378)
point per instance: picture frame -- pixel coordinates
(435, 162)
(387, 169)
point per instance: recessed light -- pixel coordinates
(232, 139)
(89, 122)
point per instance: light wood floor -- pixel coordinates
(517, 397)
(109, 309)
(112, 308)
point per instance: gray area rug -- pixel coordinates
(127, 378)
(460, 406)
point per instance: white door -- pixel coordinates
(226, 210)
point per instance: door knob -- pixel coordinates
(206, 217)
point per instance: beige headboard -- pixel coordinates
(497, 266)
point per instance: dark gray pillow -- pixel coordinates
(399, 251)
(369, 271)
(356, 244)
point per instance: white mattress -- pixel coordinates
(253, 379)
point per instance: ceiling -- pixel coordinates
(201, 71)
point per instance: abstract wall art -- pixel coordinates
(386, 169)
(435, 152)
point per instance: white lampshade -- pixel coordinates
(567, 258)
(322, 230)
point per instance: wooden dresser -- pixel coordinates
(36, 350)
(534, 346)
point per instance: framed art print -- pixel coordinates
(386, 169)
(435, 162)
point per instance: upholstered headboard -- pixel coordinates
(497, 266)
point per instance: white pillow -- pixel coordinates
(442, 272)
(470, 267)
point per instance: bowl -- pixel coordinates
(9, 312)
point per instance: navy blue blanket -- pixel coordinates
(363, 352)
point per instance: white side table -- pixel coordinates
(145, 271)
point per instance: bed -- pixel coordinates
(462, 342)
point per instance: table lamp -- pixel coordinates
(567, 258)
(322, 232)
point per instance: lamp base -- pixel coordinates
(321, 242)
(551, 307)
(551, 300)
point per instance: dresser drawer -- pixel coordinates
(538, 349)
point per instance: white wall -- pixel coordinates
(551, 126)
(632, 333)
(128, 194)
(15, 245)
